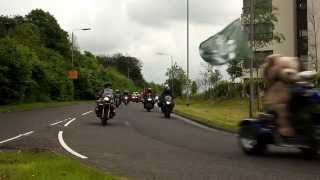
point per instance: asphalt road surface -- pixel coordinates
(144, 145)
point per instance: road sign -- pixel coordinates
(73, 74)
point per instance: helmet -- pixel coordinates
(108, 85)
(166, 86)
(117, 90)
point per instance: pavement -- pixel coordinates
(144, 145)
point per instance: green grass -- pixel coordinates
(223, 114)
(46, 166)
(37, 105)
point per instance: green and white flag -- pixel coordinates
(229, 44)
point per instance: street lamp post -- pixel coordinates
(252, 44)
(171, 59)
(72, 42)
(188, 19)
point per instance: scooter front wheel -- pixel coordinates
(250, 142)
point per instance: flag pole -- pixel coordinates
(252, 6)
(188, 19)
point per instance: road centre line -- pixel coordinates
(69, 122)
(53, 124)
(17, 137)
(86, 113)
(67, 148)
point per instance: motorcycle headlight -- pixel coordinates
(168, 102)
(125, 98)
(149, 99)
(106, 99)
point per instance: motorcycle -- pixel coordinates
(117, 100)
(167, 106)
(148, 103)
(256, 134)
(126, 100)
(105, 109)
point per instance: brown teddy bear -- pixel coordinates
(280, 72)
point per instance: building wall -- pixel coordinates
(286, 25)
(313, 10)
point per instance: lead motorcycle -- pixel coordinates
(105, 109)
(304, 103)
(148, 103)
(167, 106)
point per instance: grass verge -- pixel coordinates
(46, 165)
(37, 105)
(222, 114)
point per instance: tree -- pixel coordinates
(313, 17)
(127, 65)
(176, 78)
(210, 77)
(52, 35)
(15, 71)
(234, 70)
(194, 88)
(264, 27)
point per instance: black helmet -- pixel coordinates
(108, 85)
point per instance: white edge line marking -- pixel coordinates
(28, 133)
(69, 122)
(200, 125)
(16, 137)
(67, 148)
(86, 113)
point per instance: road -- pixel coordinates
(144, 145)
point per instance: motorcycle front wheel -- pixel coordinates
(106, 116)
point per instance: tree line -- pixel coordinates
(35, 55)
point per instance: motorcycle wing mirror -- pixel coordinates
(307, 75)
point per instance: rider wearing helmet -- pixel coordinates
(107, 89)
(166, 92)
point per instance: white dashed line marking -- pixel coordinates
(53, 124)
(67, 148)
(17, 137)
(69, 122)
(86, 113)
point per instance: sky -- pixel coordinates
(140, 28)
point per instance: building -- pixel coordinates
(293, 23)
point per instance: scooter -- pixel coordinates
(256, 134)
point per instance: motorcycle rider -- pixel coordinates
(117, 96)
(166, 92)
(106, 91)
(147, 93)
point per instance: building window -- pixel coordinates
(302, 29)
